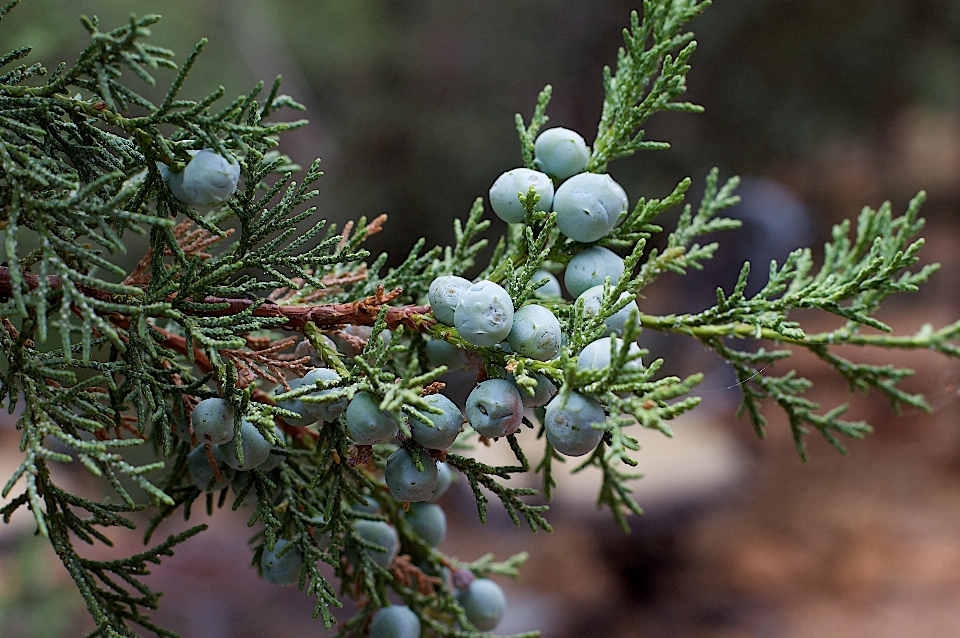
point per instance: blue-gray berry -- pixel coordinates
(615, 324)
(395, 621)
(382, 534)
(569, 421)
(208, 180)
(590, 267)
(444, 481)
(444, 295)
(407, 482)
(596, 354)
(494, 408)
(484, 314)
(274, 460)
(295, 405)
(588, 206)
(212, 421)
(442, 353)
(446, 425)
(368, 505)
(282, 570)
(560, 152)
(240, 482)
(535, 396)
(325, 409)
(549, 290)
(535, 333)
(483, 602)
(306, 349)
(256, 448)
(201, 473)
(366, 423)
(428, 521)
(507, 189)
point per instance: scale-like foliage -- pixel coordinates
(235, 302)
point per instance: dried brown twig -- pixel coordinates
(193, 241)
(263, 363)
(409, 575)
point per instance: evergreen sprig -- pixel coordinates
(855, 277)
(651, 74)
(480, 474)
(102, 358)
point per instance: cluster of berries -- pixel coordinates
(587, 207)
(482, 600)
(213, 424)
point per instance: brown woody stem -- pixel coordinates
(363, 312)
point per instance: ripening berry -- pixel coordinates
(428, 521)
(560, 152)
(405, 481)
(256, 449)
(446, 425)
(592, 298)
(535, 333)
(483, 602)
(537, 395)
(549, 290)
(395, 621)
(212, 421)
(506, 191)
(325, 411)
(281, 570)
(484, 314)
(208, 180)
(379, 533)
(588, 206)
(444, 295)
(202, 474)
(494, 408)
(590, 267)
(366, 423)
(568, 424)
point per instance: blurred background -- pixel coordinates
(823, 106)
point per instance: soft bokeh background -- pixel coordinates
(822, 105)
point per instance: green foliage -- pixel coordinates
(651, 73)
(207, 310)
